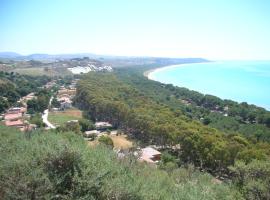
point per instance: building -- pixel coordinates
(14, 110)
(12, 116)
(65, 102)
(16, 123)
(92, 133)
(103, 125)
(150, 155)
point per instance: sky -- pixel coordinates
(212, 29)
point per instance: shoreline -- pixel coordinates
(148, 73)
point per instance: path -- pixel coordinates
(45, 117)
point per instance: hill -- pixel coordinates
(53, 165)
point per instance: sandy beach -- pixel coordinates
(149, 72)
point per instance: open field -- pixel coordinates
(40, 71)
(61, 117)
(32, 71)
(66, 91)
(121, 142)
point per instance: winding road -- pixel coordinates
(45, 117)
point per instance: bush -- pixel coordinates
(106, 140)
(62, 166)
(86, 125)
(37, 119)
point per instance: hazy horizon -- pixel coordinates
(215, 30)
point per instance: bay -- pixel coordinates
(241, 81)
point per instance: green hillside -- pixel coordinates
(51, 165)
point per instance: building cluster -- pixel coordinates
(65, 95)
(89, 68)
(50, 84)
(101, 128)
(16, 117)
(148, 154)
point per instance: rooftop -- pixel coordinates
(10, 116)
(14, 123)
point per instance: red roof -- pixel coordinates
(14, 123)
(11, 116)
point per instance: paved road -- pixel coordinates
(45, 117)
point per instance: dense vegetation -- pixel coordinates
(53, 165)
(225, 115)
(105, 97)
(14, 86)
(122, 99)
(40, 103)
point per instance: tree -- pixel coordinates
(86, 125)
(55, 103)
(36, 119)
(106, 140)
(267, 120)
(70, 127)
(3, 104)
(252, 179)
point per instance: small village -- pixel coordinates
(65, 113)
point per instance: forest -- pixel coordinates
(13, 86)
(109, 97)
(226, 115)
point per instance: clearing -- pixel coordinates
(61, 117)
(119, 142)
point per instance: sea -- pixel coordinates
(241, 81)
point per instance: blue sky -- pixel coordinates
(213, 29)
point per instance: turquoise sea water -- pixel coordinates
(239, 81)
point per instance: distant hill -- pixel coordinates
(114, 60)
(9, 55)
(40, 56)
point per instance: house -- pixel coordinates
(14, 110)
(12, 116)
(92, 133)
(16, 123)
(103, 125)
(150, 155)
(65, 103)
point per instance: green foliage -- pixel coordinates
(86, 125)
(225, 115)
(13, 86)
(48, 165)
(37, 119)
(105, 97)
(106, 140)
(70, 126)
(55, 103)
(40, 103)
(253, 179)
(3, 104)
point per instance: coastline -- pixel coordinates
(148, 73)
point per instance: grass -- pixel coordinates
(61, 117)
(121, 142)
(32, 71)
(39, 71)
